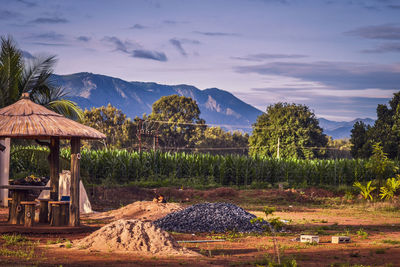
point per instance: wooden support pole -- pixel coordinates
(4, 170)
(75, 178)
(54, 159)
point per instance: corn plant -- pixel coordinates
(112, 166)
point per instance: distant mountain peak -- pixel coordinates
(217, 106)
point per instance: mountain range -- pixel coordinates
(218, 107)
(341, 129)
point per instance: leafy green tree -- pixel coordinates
(379, 164)
(179, 116)
(386, 130)
(296, 129)
(216, 138)
(34, 76)
(360, 143)
(119, 130)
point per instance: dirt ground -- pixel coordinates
(374, 229)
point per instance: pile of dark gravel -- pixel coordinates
(210, 217)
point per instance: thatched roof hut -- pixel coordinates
(28, 120)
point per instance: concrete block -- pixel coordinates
(309, 239)
(340, 239)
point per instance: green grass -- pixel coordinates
(268, 260)
(390, 241)
(13, 239)
(16, 253)
(57, 241)
(17, 246)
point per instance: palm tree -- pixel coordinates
(33, 76)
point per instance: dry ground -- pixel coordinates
(374, 229)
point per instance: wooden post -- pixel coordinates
(75, 178)
(54, 167)
(4, 170)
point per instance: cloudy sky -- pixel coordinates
(339, 57)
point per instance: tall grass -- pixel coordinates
(123, 167)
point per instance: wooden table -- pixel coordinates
(19, 193)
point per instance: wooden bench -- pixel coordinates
(29, 207)
(43, 210)
(59, 213)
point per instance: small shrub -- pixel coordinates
(274, 222)
(68, 244)
(361, 233)
(365, 190)
(392, 185)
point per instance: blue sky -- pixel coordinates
(341, 58)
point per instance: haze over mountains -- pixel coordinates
(218, 107)
(341, 129)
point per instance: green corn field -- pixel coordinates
(121, 167)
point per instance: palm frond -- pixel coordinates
(67, 108)
(11, 66)
(37, 73)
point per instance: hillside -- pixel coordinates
(218, 107)
(135, 98)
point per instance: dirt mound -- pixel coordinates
(133, 236)
(140, 210)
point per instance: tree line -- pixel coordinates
(385, 132)
(173, 125)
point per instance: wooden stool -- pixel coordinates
(29, 207)
(59, 213)
(43, 210)
(9, 203)
(17, 210)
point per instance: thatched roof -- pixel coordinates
(26, 119)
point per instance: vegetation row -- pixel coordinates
(121, 167)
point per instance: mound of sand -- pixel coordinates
(133, 236)
(140, 210)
